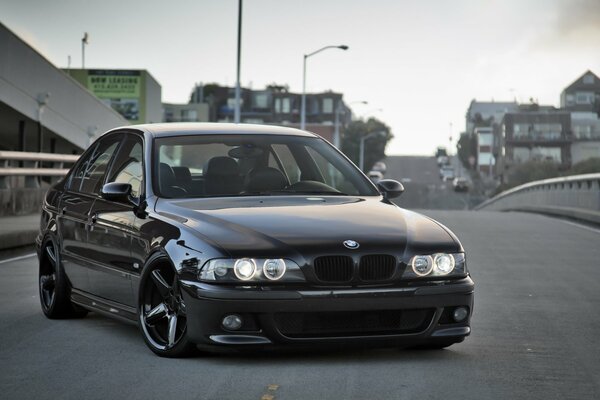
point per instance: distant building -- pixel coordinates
(482, 120)
(536, 132)
(134, 94)
(583, 94)
(486, 159)
(192, 112)
(582, 99)
(486, 113)
(509, 133)
(276, 105)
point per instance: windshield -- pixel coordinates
(246, 165)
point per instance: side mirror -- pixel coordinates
(115, 191)
(390, 188)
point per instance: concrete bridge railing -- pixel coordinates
(21, 184)
(575, 196)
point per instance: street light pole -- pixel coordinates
(239, 54)
(361, 156)
(336, 133)
(84, 41)
(303, 105)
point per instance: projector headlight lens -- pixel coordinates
(443, 263)
(422, 265)
(244, 269)
(274, 269)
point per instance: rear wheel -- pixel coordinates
(162, 314)
(53, 285)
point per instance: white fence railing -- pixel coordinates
(575, 196)
(32, 166)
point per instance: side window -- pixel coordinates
(128, 166)
(75, 182)
(333, 177)
(289, 162)
(90, 175)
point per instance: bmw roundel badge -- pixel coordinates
(351, 244)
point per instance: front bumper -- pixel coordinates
(263, 309)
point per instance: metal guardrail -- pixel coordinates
(26, 164)
(576, 196)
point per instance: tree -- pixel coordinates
(589, 166)
(374, 147)
(467, 148)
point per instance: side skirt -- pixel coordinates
(103, 306)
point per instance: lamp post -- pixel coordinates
(42, 101)
(361, 161)
(303, 107)
(338, 111)
(237, 111)
(84, 41)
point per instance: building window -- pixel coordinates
(584, 98)
(588, 79)
(328, 106)
(189, 115)
(286, 105)
(277, 105)
(261, 100)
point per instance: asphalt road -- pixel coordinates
(535, 336)
(420, 176)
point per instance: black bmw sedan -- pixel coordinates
(246, 236)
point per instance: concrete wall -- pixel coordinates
(72, 112)
(574, 196)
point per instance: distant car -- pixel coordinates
(447, 173)
(375, 176)
(239, 235)
(460, 184)
(441, 151)
(443, 160)
(379, 166)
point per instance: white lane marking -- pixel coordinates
(587, 228)
(17, 258)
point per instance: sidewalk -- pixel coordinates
(17, 231)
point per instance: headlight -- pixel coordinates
(422, 265)
(274, 269)
(246, 270)
(443, 263)
(436, 265)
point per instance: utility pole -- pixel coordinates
(84, 41)
(239, 54)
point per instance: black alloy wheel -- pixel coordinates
(53, 285)
(162, 312)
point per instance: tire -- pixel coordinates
(54, 288)
(162, 316)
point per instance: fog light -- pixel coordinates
(232, 322)
(460, 314)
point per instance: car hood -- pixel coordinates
(283, 226)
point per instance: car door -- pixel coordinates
(110, 233)
(75, 204)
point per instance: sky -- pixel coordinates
(418, 64)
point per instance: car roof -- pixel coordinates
(211, 128)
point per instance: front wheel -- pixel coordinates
(161, 312)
